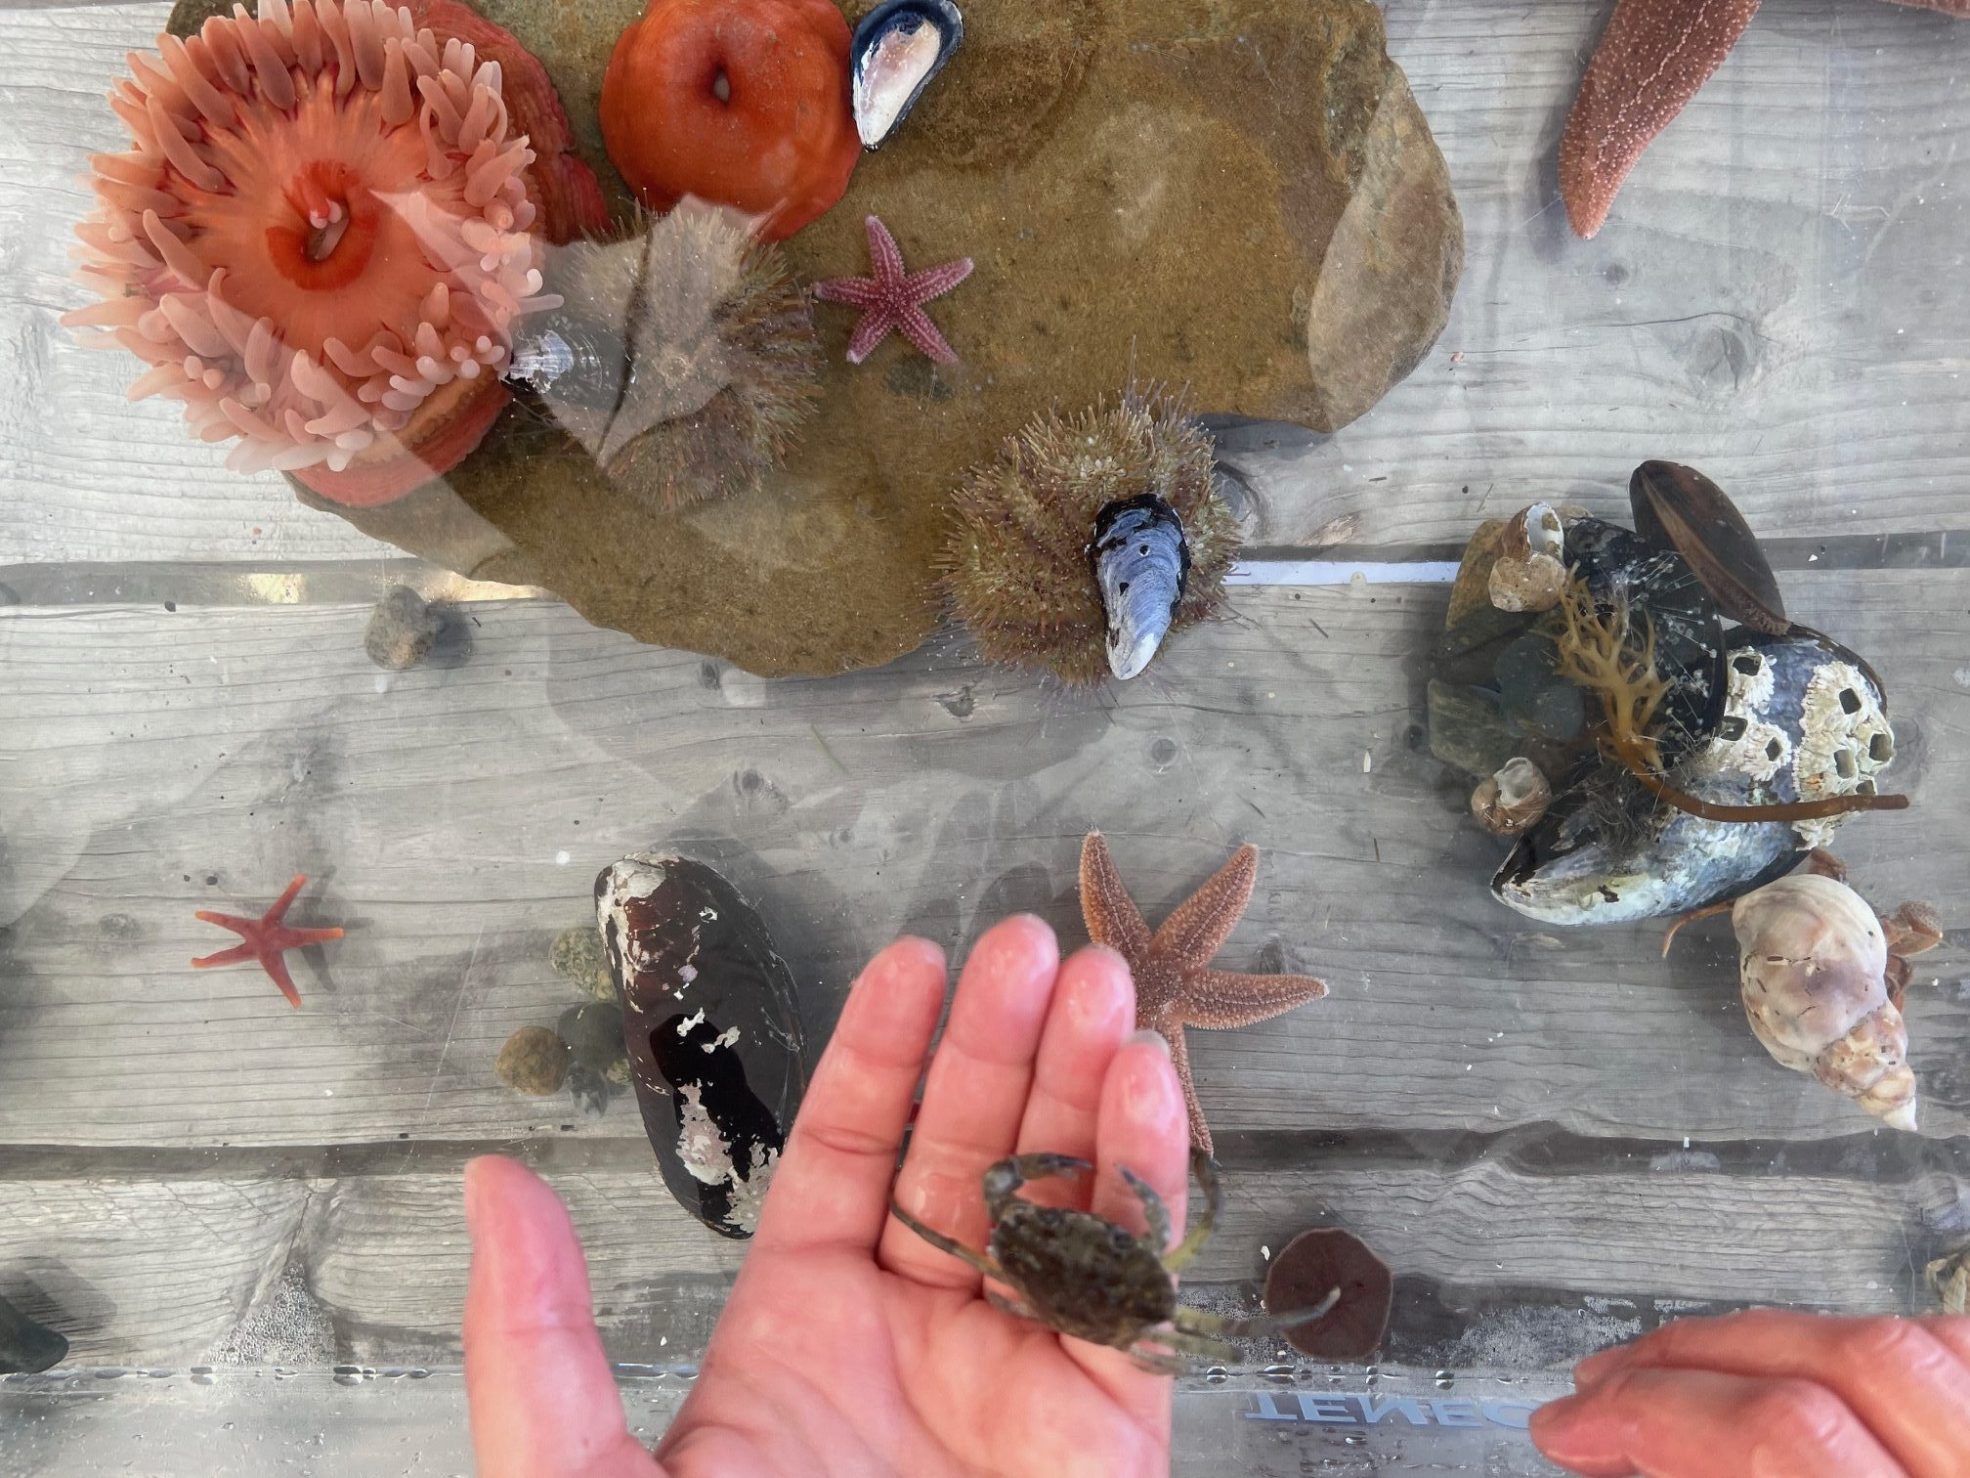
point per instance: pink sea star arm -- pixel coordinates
(919, 330)
(874, 327)
(1225, 999)
(856, 292)
(934, 282)
(1200, 1132)
(1194, 934)
(1652, 59)
(885, 256)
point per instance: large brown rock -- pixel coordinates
(1241, 201)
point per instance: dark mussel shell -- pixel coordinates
(712, 1028)
(898, 49)
(1677, 507)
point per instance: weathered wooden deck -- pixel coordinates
(1556, 1140)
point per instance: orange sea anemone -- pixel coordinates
(739, 102)
(322, 235)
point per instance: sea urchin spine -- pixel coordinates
(319, 240)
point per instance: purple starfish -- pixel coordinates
(894, 299)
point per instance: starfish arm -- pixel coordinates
(1192, 936)
(856, 292)
(233, 922)
(1220, 998)
(276, 967)
(238, 954)
(874, 327)
(1652, 59)
(934, 282)
(279, 911)
(286, 939)
(885, 256)
(1106, 908)
(1200, 1132)
(919, 330)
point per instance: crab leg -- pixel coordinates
(1154, 1212)
(1203, 1322)
(950, 1245)
(1206, 1171)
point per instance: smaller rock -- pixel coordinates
(402, 629)
(1530, 571)
(534, 1061)
(1310, 1267)
(593, 1033)
(1512, 799)
(1950, 1277)
(578, 954)
(27, 1348)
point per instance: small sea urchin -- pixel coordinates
(1019, 564)
(687, 360)
(318, 240)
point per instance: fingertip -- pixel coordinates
(1146, 1094)
(1021, 941)
(1097, 994)
(1598, 1366)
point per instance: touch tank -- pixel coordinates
(513, 515)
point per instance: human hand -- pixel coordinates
(848, 1343)
(1770, 1394)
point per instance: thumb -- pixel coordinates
(543, 1399)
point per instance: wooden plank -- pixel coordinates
(158, 763)
(170, 1270)
(1770, 302)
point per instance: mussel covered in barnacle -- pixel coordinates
(897, 50)
(1699, 741)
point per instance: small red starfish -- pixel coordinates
(267, 940)
(894, 299)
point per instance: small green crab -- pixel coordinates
(1084, 1276)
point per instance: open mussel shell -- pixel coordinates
(898, 49)
(1677, 507)
(1141, 565)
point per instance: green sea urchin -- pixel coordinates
(684, 358)
(1018, 568)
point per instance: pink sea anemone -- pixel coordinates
(323, 234)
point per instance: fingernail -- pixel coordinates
(474, 1194)
(1146, 1037)
(1149, 1092)
(1598, 1366)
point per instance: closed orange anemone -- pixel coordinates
(740, 102)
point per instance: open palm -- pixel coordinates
(849, 1345)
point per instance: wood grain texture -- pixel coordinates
(183, 1270)
(1772, 301)
(453, 820)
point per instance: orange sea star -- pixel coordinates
(267, 940)
(1175, 986)
(1651, 60)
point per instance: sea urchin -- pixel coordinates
(684, 358)
(1020, 564)
(319, 241)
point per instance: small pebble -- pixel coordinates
(593, 1033)
(534, 1061)
(578, 955)
(402, 629)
